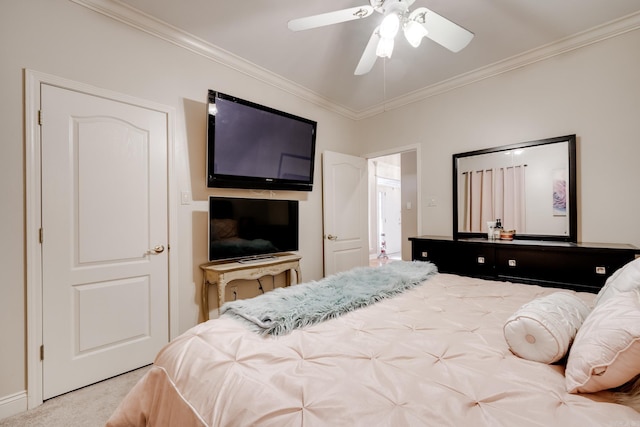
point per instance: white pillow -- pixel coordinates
(543, 329)
(624, 279)
(606, 350)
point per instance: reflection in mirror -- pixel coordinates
(530, 187)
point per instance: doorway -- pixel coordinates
(392, 206)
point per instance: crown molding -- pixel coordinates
(151, 25)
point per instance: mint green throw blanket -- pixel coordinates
(280, 311)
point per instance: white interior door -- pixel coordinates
(390, 216)
(105, 230)
(344, 191)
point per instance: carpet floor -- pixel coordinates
(87, 407)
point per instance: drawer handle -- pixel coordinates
(480, 260)
(512, 263)
(601, 270)
(424, 254)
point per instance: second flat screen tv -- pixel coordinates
(247, 228)
(254, 146)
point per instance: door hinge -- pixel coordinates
(41, 235)
(42, 352)
(40, 117)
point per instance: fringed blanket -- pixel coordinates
(280, 311)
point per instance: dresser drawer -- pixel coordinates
(577, 266)
(439, 252)
(476, 260)
(451, 257)
(586, 269)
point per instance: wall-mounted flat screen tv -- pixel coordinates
(243, 228)
(254, 146)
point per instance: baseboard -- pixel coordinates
(13, 404)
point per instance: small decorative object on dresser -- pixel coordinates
(507, 234)
(577, 266)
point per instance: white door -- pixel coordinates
(390, 218)
(344, 192)
(105, 237)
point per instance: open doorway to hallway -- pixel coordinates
(392, 206)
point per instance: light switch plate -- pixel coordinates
(185, 197)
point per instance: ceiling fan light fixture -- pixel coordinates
(395, 15)
(390, 26)
(384, 48)
(414, 32)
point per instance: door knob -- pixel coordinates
(157, 250)
(332, 237)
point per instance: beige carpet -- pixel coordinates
(87, 407)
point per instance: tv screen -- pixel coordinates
(245, 228)
(253, 146)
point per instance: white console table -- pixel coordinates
(221, 273)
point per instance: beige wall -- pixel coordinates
(592, 92)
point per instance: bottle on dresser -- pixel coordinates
(497, 229)
(491, 225)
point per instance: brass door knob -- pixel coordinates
(157, 250)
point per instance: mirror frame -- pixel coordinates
(572, 187)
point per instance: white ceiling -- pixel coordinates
(321, 61)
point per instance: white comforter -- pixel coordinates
(433, 356)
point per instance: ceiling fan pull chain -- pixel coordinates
(384, 84)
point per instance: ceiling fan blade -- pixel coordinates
(442, 31)
(369, 56)
(330, 18)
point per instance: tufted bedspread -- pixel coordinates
(432, 356)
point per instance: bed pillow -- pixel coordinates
(543, 329)
(624, 279)
(606, 350)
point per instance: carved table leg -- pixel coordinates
(204, 300)
(222, 284)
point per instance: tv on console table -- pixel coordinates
(577, 266)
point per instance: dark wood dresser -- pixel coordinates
(577, 266)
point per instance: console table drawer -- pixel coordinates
(221, 273)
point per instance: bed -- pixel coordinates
(434, 354)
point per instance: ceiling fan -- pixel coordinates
(420, 23)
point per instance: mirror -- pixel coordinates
(530, 187)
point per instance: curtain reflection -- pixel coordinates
(495, 193)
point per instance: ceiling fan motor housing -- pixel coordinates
(386, 7)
